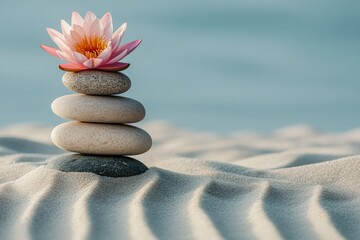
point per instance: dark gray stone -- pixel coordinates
(110, 166)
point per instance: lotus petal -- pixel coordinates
(65, 27)
(106, 20)
(117, 36)
(66, 57)
(105, 55)
(93, 63)
(88, 20)
(75, 36)
(79, 30)
(50, 50)
(71, 67)
(90, 16)
(95, 28)
(79, 58)
(118, 57)
(118, 66)
(62, 45)
(108, 30)
(53, 33)
(129, 46)
(76, 19)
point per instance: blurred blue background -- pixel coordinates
(209, 65)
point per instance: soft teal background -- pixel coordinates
(210, 65)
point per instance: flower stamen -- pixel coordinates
(91, 47)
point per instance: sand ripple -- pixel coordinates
(292, 184)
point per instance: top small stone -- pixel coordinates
(93, 82)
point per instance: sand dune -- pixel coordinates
(295, 183)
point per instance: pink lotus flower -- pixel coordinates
(90, 43)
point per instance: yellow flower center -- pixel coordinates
(91, 47)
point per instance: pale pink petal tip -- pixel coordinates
(50, 50)
(106, 19)
(76, 18)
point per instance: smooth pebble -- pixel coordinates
(95, 82)
(98, 109)
(102, 139)
(110, 166)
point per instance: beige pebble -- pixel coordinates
(98, 109)
(95, 82)
(102, 139)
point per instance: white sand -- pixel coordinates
(295, 184)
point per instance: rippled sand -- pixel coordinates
(294, 183)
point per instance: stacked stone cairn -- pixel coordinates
(100, 133)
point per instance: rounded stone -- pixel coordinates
(95, 82)
(98, 109)
(102, 139)
(110, 166)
